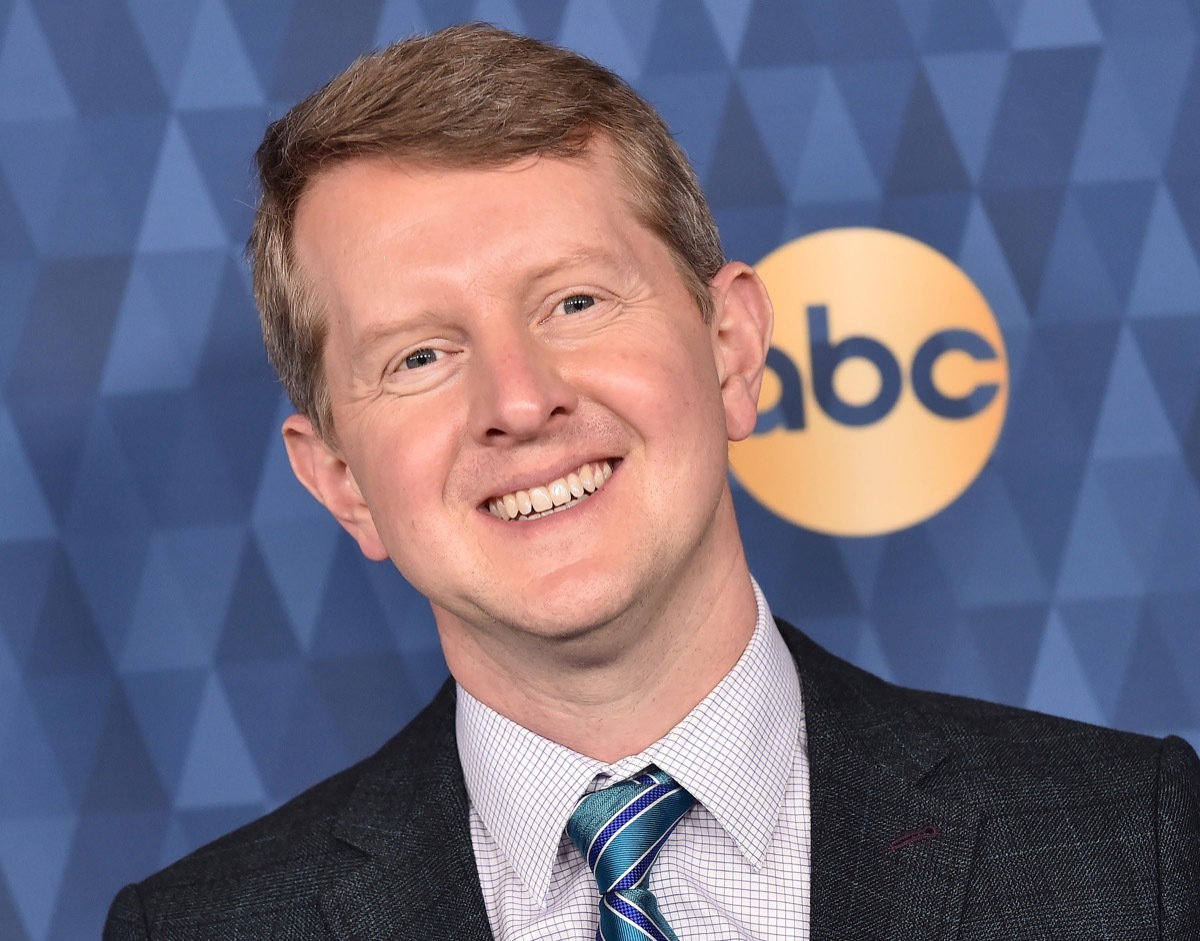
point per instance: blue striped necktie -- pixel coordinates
(620, 830)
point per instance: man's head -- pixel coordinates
(489, 324)
(470, 96)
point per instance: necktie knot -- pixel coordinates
(620, 831)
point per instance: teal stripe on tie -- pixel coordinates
(620, 831)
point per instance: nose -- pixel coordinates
(517, 389)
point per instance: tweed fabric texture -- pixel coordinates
(1045, 829)
(1034, 827)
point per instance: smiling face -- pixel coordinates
(531, 415)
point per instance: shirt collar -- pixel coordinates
(524, 787)
(739, 740)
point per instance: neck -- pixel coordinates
(616, 688)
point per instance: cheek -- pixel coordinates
(670, 394)
(405, 460)
(662, 353)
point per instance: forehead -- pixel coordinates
(595, 173)
(365, 219)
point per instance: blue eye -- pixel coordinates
(577, 302)
(420, 358)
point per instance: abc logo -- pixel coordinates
(886, 384)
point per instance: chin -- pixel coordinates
(567, 619)
(571, 609)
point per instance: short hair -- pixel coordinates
(467, 96)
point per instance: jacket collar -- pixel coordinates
(892, 845)
(409, 815)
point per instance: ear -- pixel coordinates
(742, 322)
(328, 478)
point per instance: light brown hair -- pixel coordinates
(467, 96)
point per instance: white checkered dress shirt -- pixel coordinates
(737, 866)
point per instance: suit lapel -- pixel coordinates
(409, 816)
(891, 851)
(892, 846)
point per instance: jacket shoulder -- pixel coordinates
(1073, 830)
(282, 861)
(1006, 735)
(1009, 761)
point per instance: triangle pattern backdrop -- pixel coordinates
(186, 640)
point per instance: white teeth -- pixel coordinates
(561, 493)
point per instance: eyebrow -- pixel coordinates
(580, 256)
(378, 333)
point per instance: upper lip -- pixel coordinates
(529, 480)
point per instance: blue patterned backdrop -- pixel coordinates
(186, 640)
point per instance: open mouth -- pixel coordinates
(553, 497)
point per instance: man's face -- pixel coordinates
(493, 332)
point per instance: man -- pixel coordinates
(497, 298)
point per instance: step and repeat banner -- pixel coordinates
(977, 461)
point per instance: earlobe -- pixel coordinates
(325, 475)
(742, 326)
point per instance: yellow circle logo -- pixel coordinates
(886, 384)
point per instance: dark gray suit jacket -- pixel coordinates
(933, 817)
